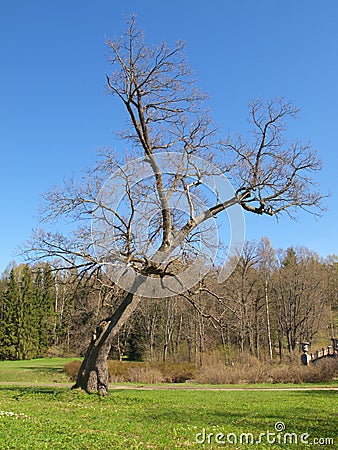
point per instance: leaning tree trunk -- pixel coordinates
(93, 373)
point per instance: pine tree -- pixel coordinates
(26, 313)
(44, 302)
(8, 338)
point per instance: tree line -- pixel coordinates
(271, 302)
(26, 312)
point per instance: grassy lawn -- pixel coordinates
(41, 417)
(42, 370)
(45, 418)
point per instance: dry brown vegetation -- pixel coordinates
(253, 371)
(141, 372)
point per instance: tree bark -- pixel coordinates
(268, 320)
(93, 374)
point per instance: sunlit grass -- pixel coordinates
(38, 417)
(128, 419)
(34, 370)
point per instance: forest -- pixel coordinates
(272, 301)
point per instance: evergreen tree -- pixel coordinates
(8, 339)
(26, 313)
(44, 303)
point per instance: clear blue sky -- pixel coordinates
(54, 114)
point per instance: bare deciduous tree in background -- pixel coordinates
(166, 113)
(300, 292)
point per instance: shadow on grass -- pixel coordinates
(29, 390)
(45, 369)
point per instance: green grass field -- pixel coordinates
(43, 370)
(41, 417)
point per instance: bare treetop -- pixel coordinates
(156, 86)
(271, 174)
(181, 151)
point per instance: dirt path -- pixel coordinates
(182, 386)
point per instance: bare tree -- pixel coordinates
(166, 115)
(300, 291)
(332, 291)
(266, 264)
(149, 314)
(243, 295)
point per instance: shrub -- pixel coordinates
(133, 372)
(72, 369)
(140, 372)
(322, 371)
(252, 371)
(145, 374)
(177, 373)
